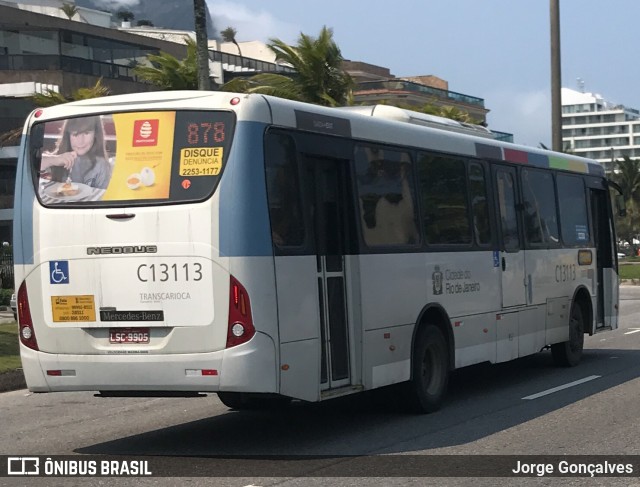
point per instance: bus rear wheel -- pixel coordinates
(569, 353)
(430, 374)
(242, 401)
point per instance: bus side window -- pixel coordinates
(540, 213)
(479, 204)
(574, 221)
(283, 191)
(386, 196)
(443, 188)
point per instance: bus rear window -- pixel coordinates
(129, 159)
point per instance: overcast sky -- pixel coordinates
(493, 49)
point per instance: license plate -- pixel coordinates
(129, 335)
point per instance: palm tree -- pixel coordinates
(170, 73)
(229, 35)
(627, 175)
(50, 98)
(319, 77)
(69, 10)
(200, 17)
(124, 15)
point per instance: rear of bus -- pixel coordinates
(144, 283)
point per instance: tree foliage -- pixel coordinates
(627, 175)
(124, 15)
(69, 9)
(318, 78)
(170, 73)
(50, 98)
(229, 35)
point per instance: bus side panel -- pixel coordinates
(388, 359)
(476, 339)
(24, 200)
(396, 287)
(611, 297)
(299, 326)
(244, 236)
(553, 276)
(557, 320)
(301, 379)
(244, 215)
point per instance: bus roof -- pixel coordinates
(376, 123)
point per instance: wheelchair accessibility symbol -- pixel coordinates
(59, 272)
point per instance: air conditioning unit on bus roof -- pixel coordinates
(389, 112)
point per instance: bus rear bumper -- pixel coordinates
(250, 367)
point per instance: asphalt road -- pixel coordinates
(526, 407)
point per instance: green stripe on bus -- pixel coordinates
(567, 164)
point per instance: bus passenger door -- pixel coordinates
(327, 178)
(512, 255)
(607, 277)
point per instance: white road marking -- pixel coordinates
(634, 331)
(565, 386)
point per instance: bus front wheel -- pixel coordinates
(430, 374)
(568, 354)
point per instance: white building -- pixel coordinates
(598, 129)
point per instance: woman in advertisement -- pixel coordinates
(80, 155)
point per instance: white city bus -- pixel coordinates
(266, 249)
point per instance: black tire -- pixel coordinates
(569, 353)
(241, 401)
(233, 400)
(430, 371)
(15, 316)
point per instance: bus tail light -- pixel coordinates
(27, 333)
(240, 329)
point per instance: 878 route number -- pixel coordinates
(170, 272)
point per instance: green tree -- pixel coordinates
(124, 15)
(202, 44)
(319, 77)
(69, 10)
(170, 73)
(229, 35)
(50, 98)
(627, 175)
(454, 113)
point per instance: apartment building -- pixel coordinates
(598, 129)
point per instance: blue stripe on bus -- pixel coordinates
(244, 216)
(23, 204)
(538, 160)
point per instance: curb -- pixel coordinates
(12, 380)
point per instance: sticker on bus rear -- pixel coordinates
(69, 309)
(201, 161)
(59, 272)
